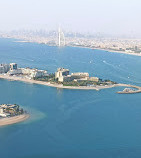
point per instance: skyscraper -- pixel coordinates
(61, 38)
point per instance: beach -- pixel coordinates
(14, 78)
(122, 52)
(107, 50)
(13, 120)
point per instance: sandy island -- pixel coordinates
(15, 78)
(13, 120)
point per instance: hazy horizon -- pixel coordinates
(110, 16)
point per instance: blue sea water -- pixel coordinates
(72, 123)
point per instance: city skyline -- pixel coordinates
(92, 16)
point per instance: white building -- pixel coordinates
(15, 72)
(38, 73)
(14, 69)
(13, 66)
(95, 79)
(33, 73)
(1, 110)
(61, 72)
(3, 114)
(61, 38)
(80, 74)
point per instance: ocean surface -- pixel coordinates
(72, 123)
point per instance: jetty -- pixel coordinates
(129, 90)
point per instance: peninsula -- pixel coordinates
(61, 79)
(11, 114)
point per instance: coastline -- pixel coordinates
(109, 50)
(13, 120)
(60, 86)
(115, 51)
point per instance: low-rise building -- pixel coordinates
(14, 72)
(63, 76)
(3, 114)
(95, 79)
(10, 110)
(81, 79)
(33, 73)
(80, 74)
(38, 73)
(1, 110)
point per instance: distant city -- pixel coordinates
(62, 38)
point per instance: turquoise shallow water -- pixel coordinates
(72, 123)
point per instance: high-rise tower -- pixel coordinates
(61, 38)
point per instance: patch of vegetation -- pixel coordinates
(49, 78)
(88, 83)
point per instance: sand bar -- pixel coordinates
(13, 120)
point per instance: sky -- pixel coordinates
(103, 16)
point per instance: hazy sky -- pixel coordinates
(109, 16)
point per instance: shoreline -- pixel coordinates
(13, 120)
(116, 51)
(60, 86)
(13, 78)
(108, 50)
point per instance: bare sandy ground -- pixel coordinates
(13, 120)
